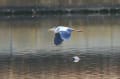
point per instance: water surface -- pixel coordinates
(27, 49)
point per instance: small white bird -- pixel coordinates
(62, 33)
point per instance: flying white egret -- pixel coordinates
(62, 33)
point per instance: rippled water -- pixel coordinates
(27, 50)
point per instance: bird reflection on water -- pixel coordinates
(76, 59)
(59, 64)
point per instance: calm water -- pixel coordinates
(27, 50)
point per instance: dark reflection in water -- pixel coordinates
(27, 50)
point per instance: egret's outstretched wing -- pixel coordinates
(57, 40)
(65, 35)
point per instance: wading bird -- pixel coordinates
(62, 33)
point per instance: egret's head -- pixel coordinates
(52, 29)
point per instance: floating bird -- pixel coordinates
(62, 33)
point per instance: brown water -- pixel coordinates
(27, 50)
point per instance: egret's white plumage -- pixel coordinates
(62, 28)
(61, 33)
